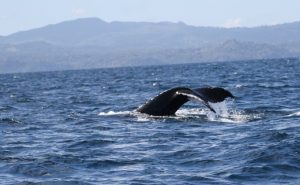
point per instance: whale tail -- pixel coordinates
(168, 102)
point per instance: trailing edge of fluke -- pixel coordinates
(168, 102)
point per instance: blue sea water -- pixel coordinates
(80, 127)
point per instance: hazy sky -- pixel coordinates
(16, 15)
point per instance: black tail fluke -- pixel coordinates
(168, 102)
(213, 94)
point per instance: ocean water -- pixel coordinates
(80, 127)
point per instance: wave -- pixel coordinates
(223, 114)
(295, 114)
(290, 112)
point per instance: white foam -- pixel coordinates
(294, 114)
(239, 86)
(140, 116)
(191, 112)
(115, 113)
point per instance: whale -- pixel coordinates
(169, 101)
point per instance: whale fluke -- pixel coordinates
(168, 102)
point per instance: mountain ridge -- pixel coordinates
(94, 31)
(96, 19)
(94, 43)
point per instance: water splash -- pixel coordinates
(225, 113)
(220, 108)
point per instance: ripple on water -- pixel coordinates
(90, 144)
(9, 120)
(54, 182)
(39, 168)
(81, 127)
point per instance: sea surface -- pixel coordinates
(81, 127)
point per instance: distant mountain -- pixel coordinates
(40, 56)
(95, 32)
(93, 43)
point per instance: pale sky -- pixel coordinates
(17, 15)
